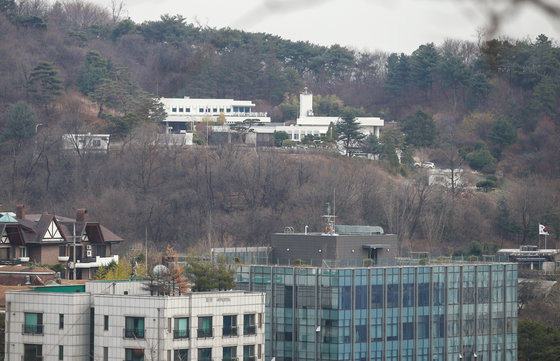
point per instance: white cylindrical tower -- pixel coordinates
(305, 104)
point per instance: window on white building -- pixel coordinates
(181, 327)
(134, 354)
(33, 323)
(181, 355)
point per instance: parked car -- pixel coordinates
(424, 165)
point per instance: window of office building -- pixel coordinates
(181, 355)
(229, 353)
(106, 322)
(61, 321)
(181, 327)
(249, 353)
(61, 352)
(230, 325)
(33, 323)
(105, 353)
(134, 327)
(205, 326)
(204, 354)
(32, 352)
(249, 324)
(134, 354)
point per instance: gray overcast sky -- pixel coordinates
(387, 25)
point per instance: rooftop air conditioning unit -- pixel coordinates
(88, 247)
(88, 253)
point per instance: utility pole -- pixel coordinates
(74, 249)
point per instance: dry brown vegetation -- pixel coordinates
(232, 195)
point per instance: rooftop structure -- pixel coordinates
(46, 238)
(120, 320)
(533, 258)
(347, 245)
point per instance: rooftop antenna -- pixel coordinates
(329, 225)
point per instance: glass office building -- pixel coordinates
(443, 312)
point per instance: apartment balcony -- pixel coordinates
(32, 358)
(249, 330)
(32, 329)
(180, 334)
(94, 262)
(231, 331)
(133, 333)
(202, 333)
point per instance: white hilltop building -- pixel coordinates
(368, 125)
(184, 113)
(309, 124)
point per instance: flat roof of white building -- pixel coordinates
(325, 121)
(204, 102)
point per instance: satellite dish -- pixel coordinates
(160, 270)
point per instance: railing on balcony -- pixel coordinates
(202, 332)
(180, 333)
(133, 333)
(33, 358)
(33, 329)
(230, 331)
(10, 262)
(249, 330)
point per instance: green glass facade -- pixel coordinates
(407, 313)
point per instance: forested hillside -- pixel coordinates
(492, 106)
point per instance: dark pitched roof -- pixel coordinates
(34, 227)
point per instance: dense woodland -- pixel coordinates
(73, 67)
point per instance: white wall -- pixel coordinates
(74, 336)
